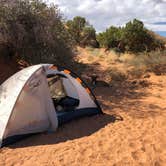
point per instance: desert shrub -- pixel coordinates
(137, 38)
(33, 31)
(133, 37)
(110, 38)
(82, 32)
(75, 27)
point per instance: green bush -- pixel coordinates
(33, 31)
(134, 37)
(82, 32)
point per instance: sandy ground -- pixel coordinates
(131, 132)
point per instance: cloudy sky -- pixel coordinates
(104, 13)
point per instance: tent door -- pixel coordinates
(63, 93)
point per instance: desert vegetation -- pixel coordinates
(38, 33)
(133, 37)
(82, 32)
(33, 31)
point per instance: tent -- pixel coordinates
(41, 98)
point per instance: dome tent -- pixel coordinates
(41, 98)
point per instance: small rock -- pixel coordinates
(134, 82)
(147, 76)
(158, 73)
(143, 83)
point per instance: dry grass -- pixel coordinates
(124, 66)
(148, 60)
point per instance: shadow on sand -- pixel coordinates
(128, 101)
(70, 131)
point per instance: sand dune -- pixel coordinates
(138, 139)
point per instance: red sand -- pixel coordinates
(138, 139)
(102, 140)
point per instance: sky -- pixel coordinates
(105, 13)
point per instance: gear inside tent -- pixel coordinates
(41, 98)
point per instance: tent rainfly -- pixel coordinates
(41, 98)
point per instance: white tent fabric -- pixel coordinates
(27, 116)
(85, 99)
(26, 105)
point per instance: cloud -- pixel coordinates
(104, 13)
(155, 27)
